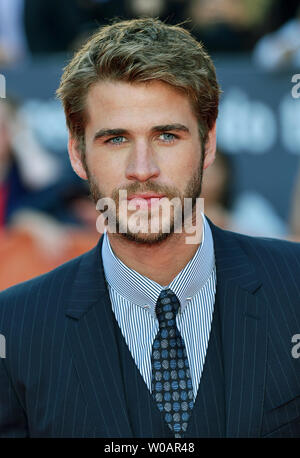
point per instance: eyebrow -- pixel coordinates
(163, 128)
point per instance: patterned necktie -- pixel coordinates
(171, 381)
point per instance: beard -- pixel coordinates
(192, 191)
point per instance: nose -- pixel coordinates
(142, 165)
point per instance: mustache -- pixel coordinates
(136, 188)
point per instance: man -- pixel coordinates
(148, 334)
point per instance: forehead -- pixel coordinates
(149, 102)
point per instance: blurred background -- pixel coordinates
(46, 215)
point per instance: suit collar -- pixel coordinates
(232, 263)
(88, 286)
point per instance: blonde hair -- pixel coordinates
(140, 50)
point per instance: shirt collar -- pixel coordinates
(143, 291)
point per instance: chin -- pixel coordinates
(146, 239)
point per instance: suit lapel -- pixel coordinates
(94, 347)
(208, 415)
(244, 335)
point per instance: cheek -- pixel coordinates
(183, 166)
(108, 173)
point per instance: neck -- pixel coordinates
(160, 261)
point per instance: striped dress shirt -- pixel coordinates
(134, 296)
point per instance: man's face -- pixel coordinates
(142, 138)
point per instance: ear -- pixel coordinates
(75, 158)
(210, 147)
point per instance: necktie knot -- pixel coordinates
(167, 307)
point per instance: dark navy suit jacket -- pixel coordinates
(68, 371)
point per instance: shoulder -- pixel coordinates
(277, 265)
(37, 282)
(257, 248)
(269, 250)
(275, 261)
(49, 287)
(273, 264)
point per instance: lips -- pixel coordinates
(145, 200)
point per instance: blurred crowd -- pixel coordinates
(47, 218)
(30, 27)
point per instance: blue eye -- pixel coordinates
(168, 137)
(116, 140)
